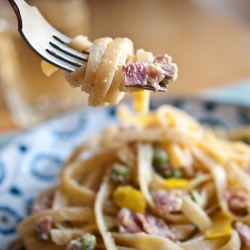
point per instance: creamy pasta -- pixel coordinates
(157, 181)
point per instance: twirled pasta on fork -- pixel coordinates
(158, 181)
(113, 70)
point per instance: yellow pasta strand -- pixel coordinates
(141, 101)
(221, 226)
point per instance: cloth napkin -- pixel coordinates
(237, 93)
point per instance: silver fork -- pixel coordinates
(49, 43)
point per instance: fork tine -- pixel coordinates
(87, 52)
(69, 51)
(147, 87)
(63, 57)
(65, 66)
(61, 40)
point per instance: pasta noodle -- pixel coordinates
(157, 181)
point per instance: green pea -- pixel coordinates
(119, 173)
(88, 242)
(160, 157)
(176, 173)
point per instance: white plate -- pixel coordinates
(32, 160)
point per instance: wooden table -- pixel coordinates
(209, 50)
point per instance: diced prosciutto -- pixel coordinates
(127, 222)
(130, 222)
(170, 69)
(43, 226)
(45, 202)
(163, 59)
(238, 201)
(161, 71)
(166, 202)
(135, 74)
(155, 226)
(244, 232)
(154, 75)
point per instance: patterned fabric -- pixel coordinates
(235, 93)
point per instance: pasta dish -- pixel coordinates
(157, 181)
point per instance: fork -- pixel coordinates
(49, 43)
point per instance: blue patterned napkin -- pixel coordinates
(31, 161)
(236, 93)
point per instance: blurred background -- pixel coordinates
(208, 40)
